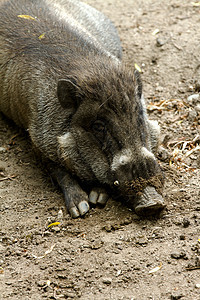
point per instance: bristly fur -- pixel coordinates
(136, 187)
(62, 79)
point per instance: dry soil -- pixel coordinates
(112, 253)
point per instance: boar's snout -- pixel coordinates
(144, 195)
(150, 202)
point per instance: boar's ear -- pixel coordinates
(67, 93)
(138, 83)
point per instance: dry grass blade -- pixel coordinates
(155, 269)
(46, 252)
(188, 153)
(195, 3)
(181, 150)
(9, 177)
(53, 224)
(27, 17)
(192, 268)
(42, 36)
(138, 68)
(168, 104)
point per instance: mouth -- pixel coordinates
(143, 195)
(149, 203)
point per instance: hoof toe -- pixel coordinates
(93, 197)
(74, 212)
(103, 198)
(83, 207)
(98, 196)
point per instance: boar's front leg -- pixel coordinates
(75, 198)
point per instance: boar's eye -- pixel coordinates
(99, 130)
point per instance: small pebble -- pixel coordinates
(182, 237)
(41, 283)
(107, 280)
(1, 262)
(159, 42)
(197, 285)
(197, 108)
(192, 115)
(194, 98)
(163, 154)
(60, 215)
(2, 166)
(170, 207)
(186, 223)
(118, 272)
(141, 240)
(127, 221)
(178, 255)
(2, 149)
(154, 59)
(70, 295)
(197, 86)
(176, 296)
(108, 228)
(55, 229)
(18, 253)
(190, 88)
(159, 89)
(181, 90)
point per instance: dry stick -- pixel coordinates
(193, 268)
(11, 177)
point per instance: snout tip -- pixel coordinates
(149, 203)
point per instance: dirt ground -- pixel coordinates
(112, 253)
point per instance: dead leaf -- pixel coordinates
(195, 3)
(158, 105)
(156, 31)
(42, 36)
(46, 252)
(54, 224)
(138, 68)
(27, 17)
(155, 269)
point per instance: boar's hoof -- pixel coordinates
(74, 213)
(83, 208)
(149, 203)
(98, 196)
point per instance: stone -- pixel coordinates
(107, 280)
(193, 99)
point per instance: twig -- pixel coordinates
(11, 177)
(197, 148)
(192, 268)
(47, 252)
(176, 46)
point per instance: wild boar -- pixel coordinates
(62, 79)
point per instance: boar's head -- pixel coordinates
(109, 140)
